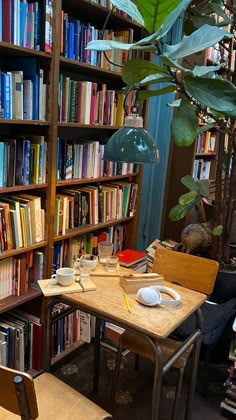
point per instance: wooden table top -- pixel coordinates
(158, 322)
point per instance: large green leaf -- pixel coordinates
(137, 69)
(201, 39)
(144, 94)
(187, 198)
(184, 125)
(155, 12)
(203, 185)
(155, 78)
(178, 212)
(214, 93)
(190, 183)
(173, 64)
(130, 8)
(204, 70)
(106, 45)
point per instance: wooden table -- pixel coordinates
(107, 303)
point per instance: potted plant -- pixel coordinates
(201, 91)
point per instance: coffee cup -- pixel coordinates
(64, 276)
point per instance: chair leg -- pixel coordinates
(178, 393)
(116, 375)
(207, 359)
(136, 362)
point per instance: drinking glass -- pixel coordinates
(84, 270)
(104, 252)
(112, 264)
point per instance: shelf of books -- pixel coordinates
(25, 119)
(59, 105)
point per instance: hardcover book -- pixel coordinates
(128, 257)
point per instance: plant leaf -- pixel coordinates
(203, 185)
(217, 231)
(130, 8)
(106, 45)
(204, 70)
(144, 94)
(175, 103)
(187, 198)
(174, 64)
(155, 12)
(155, 78)
(206, 127)
(184, 125)
(178, 212)
(214, 93)
(201, 39)
(190, 183)
(137, 69)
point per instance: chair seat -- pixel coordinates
(140, 346)
(58, 401)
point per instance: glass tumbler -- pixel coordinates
(104, 252)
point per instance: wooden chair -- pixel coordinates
(45, 398)
(189, 271)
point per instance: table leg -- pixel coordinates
(96, 371)
(157, 381)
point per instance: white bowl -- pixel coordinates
(91, 260)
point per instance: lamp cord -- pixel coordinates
(103, 31)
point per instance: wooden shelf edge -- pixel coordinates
(11, 302)
(66, 352)
(5, 46)
(18, 188)
(66, 182)
(67, 62)
(87, 126)
(23, 122)
(90, 228)
(12, 252)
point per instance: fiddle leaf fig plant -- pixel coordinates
(201, 91)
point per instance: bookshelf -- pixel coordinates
(41, 130)
(182, 161)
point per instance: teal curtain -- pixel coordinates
(154, 176)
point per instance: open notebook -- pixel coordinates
(55, 289)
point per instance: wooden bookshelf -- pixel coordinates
(53, 64)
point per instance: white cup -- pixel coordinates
(64, 276)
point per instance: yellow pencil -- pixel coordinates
(126, 302)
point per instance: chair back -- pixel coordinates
(189, 271)
(8, 394)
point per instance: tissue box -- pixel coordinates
(132, 282)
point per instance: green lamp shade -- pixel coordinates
(131, 144)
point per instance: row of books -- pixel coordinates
(23, 90)
(201, 169)
(21, 340)
(84, 102)
(206, 142)
(23, 161)
(75, 36)
(85, 160)
(91, 204)
(66, 252)
(18, 273)
(21, 221)
(27, 23)
(229, 402)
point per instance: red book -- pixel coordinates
(6, 21)
(128, 257)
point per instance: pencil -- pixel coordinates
(126, 302)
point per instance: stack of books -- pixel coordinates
(229, 403)
(135, 260)
(157, 243)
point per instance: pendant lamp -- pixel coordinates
(132, 143)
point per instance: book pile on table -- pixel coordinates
(135, 260)
(229, 403)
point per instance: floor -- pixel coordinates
(134, 394)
